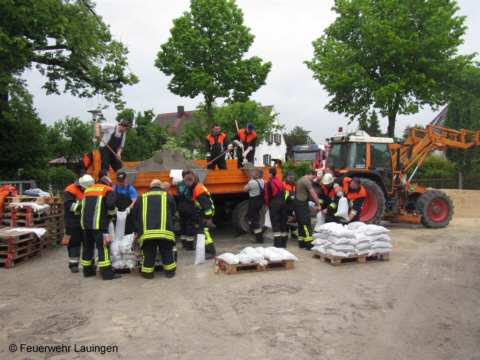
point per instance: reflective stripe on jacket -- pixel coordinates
(97, 205)
(72, 200)
(203, 200)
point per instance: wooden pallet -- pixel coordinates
(52, 240)
(137, 270)
(254, 267)
(18, 257)
(354, 259)
(36, 199)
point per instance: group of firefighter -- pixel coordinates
(90, 206)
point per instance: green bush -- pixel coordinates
(61, 175)
(300, 169)
(435, 166)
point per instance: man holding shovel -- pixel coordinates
(216, 146)
(246, 140)
(112, 143)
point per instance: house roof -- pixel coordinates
(440, 118)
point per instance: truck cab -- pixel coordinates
(312, 153)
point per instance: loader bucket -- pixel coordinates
(201, 174)
(248, 172)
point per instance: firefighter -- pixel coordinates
(72, 199)
(186, 211)
(205, 211)
(246, 140)
(153, 214)
(114, 137)
(98, 209)
(329, 194)
(126, 197)
(290, 186)
(303, 191)
(356, 195)
(256, 200)
(275, 200)
(215, 144)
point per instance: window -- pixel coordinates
(278, 139)
(336, 156)
(267, 158)
(269, 138)
(357, 156)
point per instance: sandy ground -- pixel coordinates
(422, 304)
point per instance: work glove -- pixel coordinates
(246, 152)
(240, 144)
(127, 210)
(230, 147)
(339, 193)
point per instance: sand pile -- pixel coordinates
(165, 161)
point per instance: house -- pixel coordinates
(273, 147)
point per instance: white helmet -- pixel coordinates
(327, 179)
(86, 181)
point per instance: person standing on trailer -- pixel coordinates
(114, 137)
(215, 144)
(246, 140)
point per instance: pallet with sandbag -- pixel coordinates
(254, 267)
(354, 259)
(18, 247)
(136, 270)
(40, 200)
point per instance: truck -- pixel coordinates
(313, 153)
(226, 188)
(382, 166)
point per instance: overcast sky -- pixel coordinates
(284, 31)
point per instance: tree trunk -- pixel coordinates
(391, 125)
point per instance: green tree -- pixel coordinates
(23, 142)
(372, 125)
(66, 41)
(298, 136)
(392, 55)
(205, 55)
(145, 138)
(70, 138)
(194, 134)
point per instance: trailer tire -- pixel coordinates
(374, 205)
(240, 220)
(436, 209)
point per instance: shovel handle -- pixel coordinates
(113, 152)
(223, 153)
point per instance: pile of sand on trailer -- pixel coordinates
(466, 203)
(165, 161)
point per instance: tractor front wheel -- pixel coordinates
(436, 209)
(374, 204)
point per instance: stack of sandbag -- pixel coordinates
(121, 253)
(356, 238)
(259, 255)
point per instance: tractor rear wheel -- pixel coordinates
(240, 220)
(436, 209)
(374, 204)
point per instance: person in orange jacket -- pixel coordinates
(72, 200)
(356, 195)
(205, 211)
(246, 140)
(215, 144)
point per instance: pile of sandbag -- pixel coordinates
(259, 255)
(356, 238)
(121, 253)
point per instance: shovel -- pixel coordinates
(131, 174)
(218, 157)
(243, 153)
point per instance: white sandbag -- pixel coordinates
(342, 210)
(319, 241)
(318, 248)
(355, 225)
(126, 243)
(343, 247)
(272, 255)
(111, 230)
(379, 251)
(120, 225)
(260, 250)
(380, 244)
(363, 252)
(320, 235)
(244, 259)
(341, 240)
(285, 254)
(132, 257)
(328, 227)
(200, 250)
(362, 246)
(371, 229)
(114, 249)
(131, 263)
(248, 250)
(361, 237)
(336, 253)
(119, 264)
(268, 222)
(320, 221)
(254, 255)
(229, 258)
(342, 231)
(384, 237)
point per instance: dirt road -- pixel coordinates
(422, 304)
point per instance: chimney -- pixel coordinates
(180, 111)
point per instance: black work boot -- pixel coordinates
(277, 241)
(108, 274)
(170, 273)
(184, 244)
(74, 269)
(189, 246)
(284, 241)
(210, 251)
(301, 244)
(88, 271)
(258, 238)
(148, 276)
(308, 245)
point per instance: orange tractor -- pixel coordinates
(382, 167)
